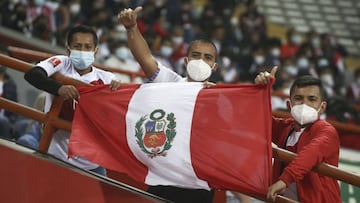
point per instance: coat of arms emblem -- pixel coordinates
(155, 134)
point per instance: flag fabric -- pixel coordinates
(178, 134)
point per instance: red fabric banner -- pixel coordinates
(146, 131)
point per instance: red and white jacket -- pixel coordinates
(318, 143)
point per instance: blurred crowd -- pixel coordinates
(237, 28)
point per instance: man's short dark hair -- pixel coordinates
(308, 80)
(206, 41)
(81, 29)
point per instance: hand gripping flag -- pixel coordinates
(178, 134)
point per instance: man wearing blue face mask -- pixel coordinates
(82, 47)
(200, 62)
(313, 139)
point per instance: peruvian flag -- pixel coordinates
(178, 134)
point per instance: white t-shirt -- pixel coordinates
(291, 191)
(167, 75)
(62, 64)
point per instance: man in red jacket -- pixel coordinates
(313, 140)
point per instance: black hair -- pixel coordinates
(206, 41)
(308, 80)
(81, 29)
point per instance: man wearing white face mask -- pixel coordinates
(82, 46)
(313, 140)
(200, 62)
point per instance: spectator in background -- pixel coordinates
(311, 46)
(41, 16)
(228, 70)
(62, 21)
(330, 80)
(180, 46)
(161, 26)
(41, 29)
(253, 21)
(285, 77)
(334, 58)
(121, 58)
(147, 18)
(258, 61)
(8, 90)
(293, 41)
(100, 21)
(67, 15)
(304, 65)
(217, 35)
(273, 52)
(13, 16)
(31, 135)
(164, 51)
(353, 90)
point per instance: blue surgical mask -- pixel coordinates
(122, 53)
(303, 63)
(315, 42)
(296, 39)
(82, 59)
(39, 2)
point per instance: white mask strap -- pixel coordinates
(74, 103)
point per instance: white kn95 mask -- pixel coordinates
(198, 70)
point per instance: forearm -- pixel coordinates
(39, 79)
(141, 51)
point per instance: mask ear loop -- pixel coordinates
(320, 107)
(74, 103)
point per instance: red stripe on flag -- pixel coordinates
(231, 138)
(105, 144)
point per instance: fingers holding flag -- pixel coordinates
(265, 77)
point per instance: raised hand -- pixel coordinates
(128, 17)
(264, 77)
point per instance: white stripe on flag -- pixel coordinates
(175, 167)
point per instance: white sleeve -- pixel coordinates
(54, 64)
(165, 74)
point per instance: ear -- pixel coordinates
(288, 104)
(214, 67)
(96, 50)
(68, 50)
(186, 61)
(323, 106)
